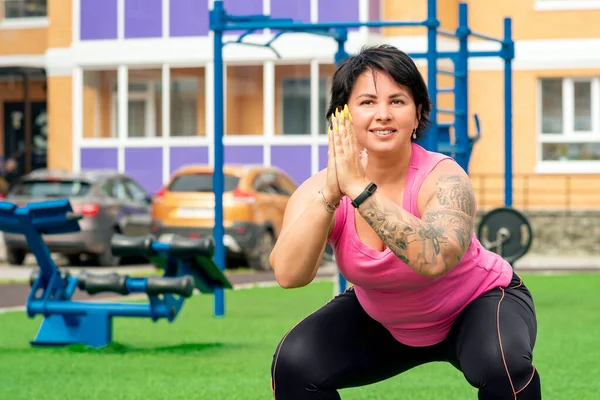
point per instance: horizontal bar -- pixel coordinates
(454, 54)
(449, 111)
(446, 90)
(447, 33)
(256, 18)
(451, 148)
(301, 26)
(445, 72)
(82, 308)
(160, 246)
(485, 37)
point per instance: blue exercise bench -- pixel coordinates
(187, 265)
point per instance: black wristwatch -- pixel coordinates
(369, 190)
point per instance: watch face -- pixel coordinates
(371, 188)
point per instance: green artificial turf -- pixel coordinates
(201, 357)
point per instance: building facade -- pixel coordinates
(128, 86)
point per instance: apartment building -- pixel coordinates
(127, 85)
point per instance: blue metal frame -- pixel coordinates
(436, 139)
(69, 322)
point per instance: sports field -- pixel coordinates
(200, 357)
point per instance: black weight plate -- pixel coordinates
(512, 221)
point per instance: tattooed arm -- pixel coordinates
(434, 244)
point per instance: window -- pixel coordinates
(296, 105)
(136, 192)
(570, 120)
(51, 188)
(184, 107)
(141, 111)
(25, 8)
(203, 183)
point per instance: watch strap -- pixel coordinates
(369, 190)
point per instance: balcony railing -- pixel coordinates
(14, 9)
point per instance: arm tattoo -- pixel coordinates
(436, 240)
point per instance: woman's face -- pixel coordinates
(384, 114)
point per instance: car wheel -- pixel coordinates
(259, 259)
(74, 260)
(15, 256)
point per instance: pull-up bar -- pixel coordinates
(221, 22)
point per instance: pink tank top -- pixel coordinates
(418, 311)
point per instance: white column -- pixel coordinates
(268, 109)
(363, 16)
(314, 115)
(267, 11)
(166, 120)
(77, 115)
(314, 11)
(120, 19)
(122, 112)
(75, 21)
(595, 105)
(568, 98)
(166, 18)
(209, 109)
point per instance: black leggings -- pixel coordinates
(340, 346)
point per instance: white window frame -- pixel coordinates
(149, 99)
(21, 22)
(558, 5)
(569, 135)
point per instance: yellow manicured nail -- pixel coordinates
(347, 112)
(328, 130)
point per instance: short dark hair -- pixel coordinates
(387, 59)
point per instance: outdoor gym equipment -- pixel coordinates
(507, 232)
(187, 266)
(437, 138)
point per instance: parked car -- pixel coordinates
(254, 202)
(110, 202)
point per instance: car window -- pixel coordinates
(135, 191)
(267, 183)
(287, 186)
(117, 190)
(51, 188)
(201, 183)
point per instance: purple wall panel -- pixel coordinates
(299, 10)
(181, 156)
(98, 19)
(143, 18)
(188, 18)
(243, 155)
(243, 7)
(322, 157)
(374, 13)
(99, 158)
(338, 11)
(144, 164)
(293, 159)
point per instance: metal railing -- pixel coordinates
(25, 8)
(539, 192)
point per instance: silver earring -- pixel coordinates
(414, 135)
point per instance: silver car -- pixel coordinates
(110, 202)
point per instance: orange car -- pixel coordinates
(254, 201)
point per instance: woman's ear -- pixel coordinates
(419, 108)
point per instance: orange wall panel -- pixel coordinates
(60, 126)
(60, 32)
(23, 41)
